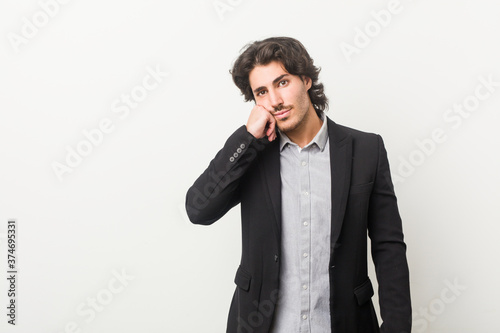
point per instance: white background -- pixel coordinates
(120, 210)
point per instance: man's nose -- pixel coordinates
(275, 99)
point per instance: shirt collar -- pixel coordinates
(320, 139)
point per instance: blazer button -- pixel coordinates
(242, 146)
(231, 159)
(276, 258)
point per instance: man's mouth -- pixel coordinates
(282, 114)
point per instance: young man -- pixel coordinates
(310, 191)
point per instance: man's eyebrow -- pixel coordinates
(276, 80)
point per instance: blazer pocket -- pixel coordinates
(364, 292)
(361, 188)
(242, 278)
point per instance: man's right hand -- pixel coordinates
(261, 123)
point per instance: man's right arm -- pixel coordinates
(216, 191)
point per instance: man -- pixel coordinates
(310, 191)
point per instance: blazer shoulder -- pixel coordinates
(340, 132)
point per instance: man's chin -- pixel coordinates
(285, 127)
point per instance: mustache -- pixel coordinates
(281, 107)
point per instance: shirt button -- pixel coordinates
(305, 255)
(304, 317)
(304, 163)
(306, 223)
(304, 287)
(306, 193)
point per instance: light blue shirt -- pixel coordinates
(304, 298)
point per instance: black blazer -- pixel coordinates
(247, 171)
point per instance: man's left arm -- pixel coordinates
(389, 250)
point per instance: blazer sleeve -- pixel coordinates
(216, 190)
(389, 250)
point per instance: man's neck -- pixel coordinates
(307, 131)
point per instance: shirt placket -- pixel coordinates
(305, 239)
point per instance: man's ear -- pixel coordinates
(307, 81)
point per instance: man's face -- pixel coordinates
(283, 94)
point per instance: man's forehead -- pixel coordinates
(265, 74)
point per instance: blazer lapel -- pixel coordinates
(340, 169)
(271, 169)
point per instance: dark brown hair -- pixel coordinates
(289, 52)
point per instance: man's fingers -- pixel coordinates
(271, 126)
(262, 106)
(271, 131)
(259, 122)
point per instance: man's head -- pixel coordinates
(294, 59)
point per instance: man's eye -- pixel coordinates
(283, 82)
(260, 93)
